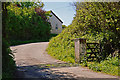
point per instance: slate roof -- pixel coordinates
(56, 16)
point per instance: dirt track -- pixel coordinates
(30, 57)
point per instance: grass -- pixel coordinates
(18, 42)
(0, 77)
(58, 65)
(64, 50)
(62, 47)
(109, 66)
(7, 76)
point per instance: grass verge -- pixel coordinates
(109, 66)
(18, 42)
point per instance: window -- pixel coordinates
(56, 26)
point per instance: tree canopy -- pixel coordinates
(29, 4)
(95, 21)
(99, 20)
(27, 22)
(64, 26)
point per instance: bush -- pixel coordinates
(8, 64)
(25, 24)
(62, 47)
(91, 22)
(109, 66)
(18, 42)
(97, 22)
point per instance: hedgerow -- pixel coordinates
(8, 63)
(27, 23)
(97, 22)
(20, 23)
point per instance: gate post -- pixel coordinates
(80, 49)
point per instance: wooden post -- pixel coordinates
(80, 49)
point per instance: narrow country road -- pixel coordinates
(33, 62)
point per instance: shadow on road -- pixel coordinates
(43, 71)
(47, 72)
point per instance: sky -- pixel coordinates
(64, 10)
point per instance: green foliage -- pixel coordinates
(8, 66)
(29, 4)
(57, 65)
(53, 35)
(18, 42)
(109, 66)
(25, 24)
(97, 22)
(62, 47)
(64, 26)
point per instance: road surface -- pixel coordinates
(33, 62)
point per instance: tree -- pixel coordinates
(64, 26)
(8, 64)
(29, 4)
(90, 22)
(101, 20)
(30, 23)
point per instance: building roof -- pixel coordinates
(56, 16)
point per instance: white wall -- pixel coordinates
(55, 23)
